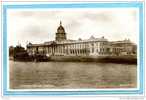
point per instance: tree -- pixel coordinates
(11, 51)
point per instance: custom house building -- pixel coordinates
(95, 47)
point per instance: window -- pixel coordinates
(92, 50)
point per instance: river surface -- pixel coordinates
(72, 75)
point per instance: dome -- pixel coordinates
(60, 29)
(60, 34)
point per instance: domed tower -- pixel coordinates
(60, 35)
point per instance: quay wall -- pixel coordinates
(102, 59)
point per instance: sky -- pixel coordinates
(39, 26)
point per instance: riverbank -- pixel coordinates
(101, 59)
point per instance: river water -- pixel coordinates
(72, 75)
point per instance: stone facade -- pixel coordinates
(89, 47)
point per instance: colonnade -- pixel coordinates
(68, 49)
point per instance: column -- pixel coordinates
(62, 49)
(69, 49)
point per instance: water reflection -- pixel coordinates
(71, 75)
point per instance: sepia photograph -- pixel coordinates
(73, 48)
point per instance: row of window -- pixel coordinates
(79, 51)
(99, 43)
(101, 50)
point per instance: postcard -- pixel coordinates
(73, 48)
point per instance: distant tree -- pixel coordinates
(19, 49)
(11, 51)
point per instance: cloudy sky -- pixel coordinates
(38, 26)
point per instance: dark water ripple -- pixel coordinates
(71, 75)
